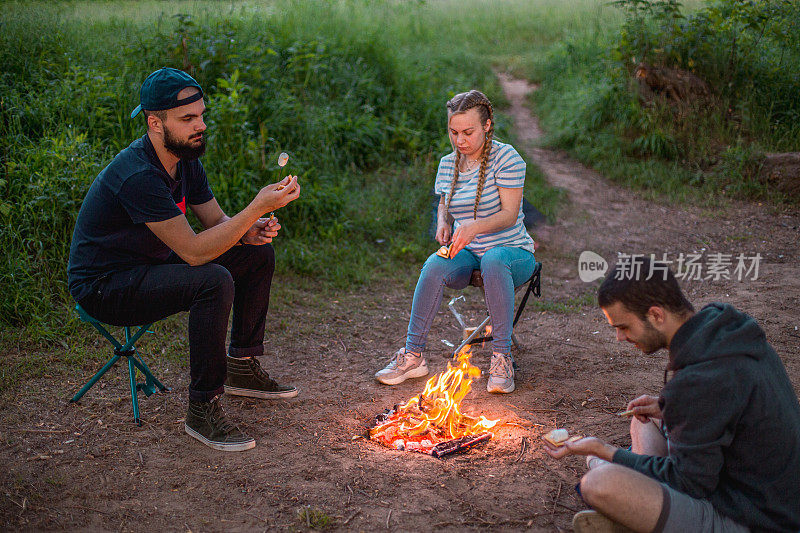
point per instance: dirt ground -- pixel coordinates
(88, 466)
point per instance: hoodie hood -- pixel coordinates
(718, 330)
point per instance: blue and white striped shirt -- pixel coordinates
(505, 169)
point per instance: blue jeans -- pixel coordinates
(502, 269)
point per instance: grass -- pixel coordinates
(315, 518)
(353, 91)
(566, 306)
(708, 152)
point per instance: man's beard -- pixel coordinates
(652, 339)
(183, 150)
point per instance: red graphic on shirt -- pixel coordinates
(182, 205)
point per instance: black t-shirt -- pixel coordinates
(110, 233)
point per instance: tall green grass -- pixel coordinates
(353, 90)
(748, 53)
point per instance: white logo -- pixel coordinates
(591, 266)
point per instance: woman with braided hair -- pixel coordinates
(480, 217)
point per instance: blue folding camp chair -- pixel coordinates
(134, 362)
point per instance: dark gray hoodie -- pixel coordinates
(733, 421)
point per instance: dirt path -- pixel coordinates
(609, 219)
(87, 467)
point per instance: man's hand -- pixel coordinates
(585, 446)
(644, 408)
(463, 235)
(443, 233)
(277, 195)
(262, 232)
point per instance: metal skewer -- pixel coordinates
(283, 158)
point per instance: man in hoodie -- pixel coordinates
(719, 449)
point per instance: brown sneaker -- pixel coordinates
(247, 378)
(207, 422)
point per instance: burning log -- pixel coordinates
(458, 445)
(432, 421)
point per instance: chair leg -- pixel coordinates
(535, 288)
(134, 396)
(472, 335)
(150, 379)
(95, 378)
(523, 303)
(130, 340)
(134, 363)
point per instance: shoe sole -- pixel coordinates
(264, 395)
(416, 373)
(221, 446)
(594, 522)
(500, 390)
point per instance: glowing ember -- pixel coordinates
(433, 417)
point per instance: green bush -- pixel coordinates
(354, 93)
(46, 182)
(748, 53)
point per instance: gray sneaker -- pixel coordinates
(501, 374)
(402, 367)
(594, 522)
(207, 422)
(592, 461)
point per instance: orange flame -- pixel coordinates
(434, 416)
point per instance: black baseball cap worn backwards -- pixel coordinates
(160, 90)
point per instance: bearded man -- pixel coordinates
(719, 449)
(135, 259)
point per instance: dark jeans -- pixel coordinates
(240, 278)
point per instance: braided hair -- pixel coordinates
(461, 103)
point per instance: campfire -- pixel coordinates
(432, 422)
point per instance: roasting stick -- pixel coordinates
(630, 412)
(282, 160)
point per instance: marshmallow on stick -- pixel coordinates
(283, 158)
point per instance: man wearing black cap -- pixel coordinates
(135, 259)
